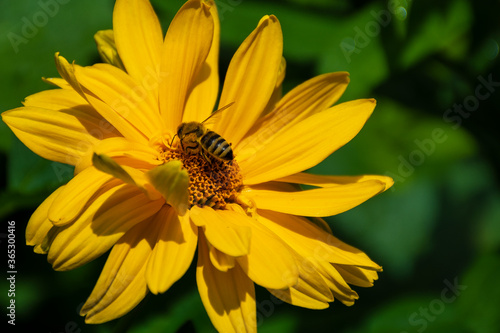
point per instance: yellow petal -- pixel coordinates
(205, 87)
(107, 165)
(115, 210)
(128, 175)
(106, 46)
(38, 224)
(310, 97)
(311, 242)
(250, 79)
(173, 251)
(61, 99)
(222, 232)
(339, 287)
(44, 246)
(278, 90)
(125, 152)
(321, 223)
(316, 202)
(58, 82)
(71, 199)
(331, 181)
(220, 260)
(228, 297)
(68, 101)
(185, 49)
(306, 143)
(357, 276)
(172, 182)
(129, 103)
(67, 72)
(122, 283)
(138, 38)
(269, 262)
(310, 292)
(56, 136)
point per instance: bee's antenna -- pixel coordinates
(171, 142)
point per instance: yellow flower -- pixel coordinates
(141, 193)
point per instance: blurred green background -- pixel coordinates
(433, 67)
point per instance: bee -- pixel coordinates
(195, 138)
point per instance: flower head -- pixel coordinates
(154, 191)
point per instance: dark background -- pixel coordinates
(436, 232)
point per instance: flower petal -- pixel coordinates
(278, 90)
(128, 175)
(356, 275)
(61, 99)
(39, 225)
(115, 210)
(173, 251)
(311, 242)
(185, 49)
(125, 152)
(58, 82)
(251, 79)
(228, 297)
(56, 136)
(130, 104)
(73, 197)
(325, 201)
(106, 46)
(269, 262)
(220, 260)
(122, 283)
(331, 181)
(205, 87)
(68, 101)
(221, 231)
(312, 96)
(138, 37)
(172, 181)
(339, 287)
(310, 292)
(305, 144)
(67, 72)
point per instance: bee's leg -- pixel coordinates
(202, 152)
(209, 202)
(172, 142)
(206, 201)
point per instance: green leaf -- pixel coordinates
(440, 30)
(478, 304)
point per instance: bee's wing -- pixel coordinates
(216, 114)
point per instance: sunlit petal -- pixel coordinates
(103, 222)
(122, 283)
(138, 37)
(228, 297)
(325, 201)
(312, 96)
(254, 67)
(305, 144)
(205, 87)
(186, 47)
(173, 250)
(222, 232)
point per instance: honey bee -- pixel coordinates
(195, 138)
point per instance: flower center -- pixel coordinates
(212, 182)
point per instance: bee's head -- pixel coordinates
(192, 128)
(180, 130)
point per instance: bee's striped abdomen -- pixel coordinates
(216, 146)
